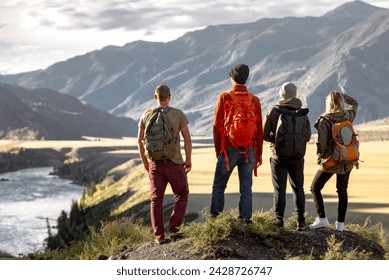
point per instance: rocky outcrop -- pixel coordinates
(92, 166)
(20, 158)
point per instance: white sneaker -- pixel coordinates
(339, 226)
(319, 223)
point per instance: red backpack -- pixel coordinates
(345, 144)
(240, 123)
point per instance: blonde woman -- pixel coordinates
(336, 111)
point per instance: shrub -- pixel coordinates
(334, 251)
(373, 232)
(113, 236)
(216, 229)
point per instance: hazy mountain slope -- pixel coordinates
(355, 62)
(43, 113)
(344, 49)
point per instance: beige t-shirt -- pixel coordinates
(177, 120)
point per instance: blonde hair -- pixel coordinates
(334, 102)
(162, 92)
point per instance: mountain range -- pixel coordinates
(345, 49)
(46, 114)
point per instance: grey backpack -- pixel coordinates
(159, 142)
(291, 133)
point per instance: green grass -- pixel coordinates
(110, 238)
(113, 237)
(371, 231)
(334, 252)
(214, 230)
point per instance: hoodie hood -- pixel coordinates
(335, 117)
(290, 103)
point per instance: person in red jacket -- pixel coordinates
(247, 159)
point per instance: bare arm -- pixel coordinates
(188, 148)
(141, 148)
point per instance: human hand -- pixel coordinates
(187, 166)
(259, 163)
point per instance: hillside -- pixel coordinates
(286, 244)
(345, 49)
(46, 114)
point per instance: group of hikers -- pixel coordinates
(238, 134)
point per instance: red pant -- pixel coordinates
(160, 174)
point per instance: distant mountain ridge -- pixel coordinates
(345, 49)
(46, 114)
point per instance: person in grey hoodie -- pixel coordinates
(336, 112)
(283, 166)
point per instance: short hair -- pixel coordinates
(334, 102)
(162, 92)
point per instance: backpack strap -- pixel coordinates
(223, 138)
(327, 119)
(298, 112)
(330, 137)
(152, 119)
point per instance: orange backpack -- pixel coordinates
(345, 144)
(240, 123)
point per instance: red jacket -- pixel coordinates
(218, 123)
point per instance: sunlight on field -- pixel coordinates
(373, 171)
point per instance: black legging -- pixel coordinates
(318, 183)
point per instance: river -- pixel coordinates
(27, 199)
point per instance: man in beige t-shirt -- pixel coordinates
(173, 170)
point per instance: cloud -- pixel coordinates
(159, 15)
(147, 14)
(74, 27)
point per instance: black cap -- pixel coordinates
(239, 73)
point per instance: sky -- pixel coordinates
(34, 34)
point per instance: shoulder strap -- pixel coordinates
(327, 119)
(154, 115)
(298, 112)
(169, 130)
(153, 118)
(233, 95)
